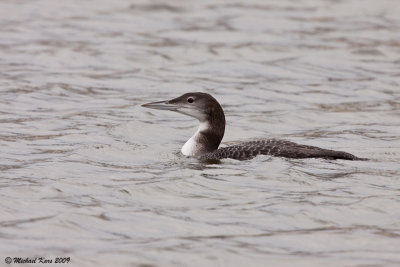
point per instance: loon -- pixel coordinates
(205, 142)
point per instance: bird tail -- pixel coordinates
(342, 155)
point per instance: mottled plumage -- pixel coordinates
(278, 148)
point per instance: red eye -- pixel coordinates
(190, 100)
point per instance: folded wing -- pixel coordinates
(278, 148)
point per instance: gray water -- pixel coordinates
(87, 173)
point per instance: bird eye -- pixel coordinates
(190, 100)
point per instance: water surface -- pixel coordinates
(87, 173)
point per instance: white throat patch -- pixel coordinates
(192, 147)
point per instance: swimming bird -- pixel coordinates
(205, 142)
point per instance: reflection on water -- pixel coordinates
(89, 174)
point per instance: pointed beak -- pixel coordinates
(161, 105)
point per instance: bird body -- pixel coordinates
(278, 148)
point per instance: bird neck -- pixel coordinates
(208, 136)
